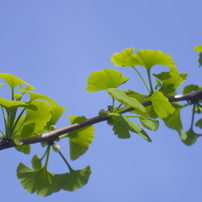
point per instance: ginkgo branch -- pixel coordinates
(5, 143)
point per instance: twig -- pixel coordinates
(193, 97)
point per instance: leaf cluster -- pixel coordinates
(28, 114)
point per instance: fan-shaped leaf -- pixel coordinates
(80, 139)
(123, 58)
(123, 98)
(102, 80)
(161, 104)
(14, 81)
(150, 58)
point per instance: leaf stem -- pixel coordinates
(192, 117)
(150, 82)
(64, 159)
(145, 83)
(47, 153)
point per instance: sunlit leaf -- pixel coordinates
(150, 58)
(170, 81)
(150, 124)
(9, 105)
(34, 121)
(80, 139)
(136, 95)
(174, 120)
(17, 141)
(45, 183)
(24, 149)
(56, 112)
(199, 123)
(38, 96)
(122, 125)
(173, 69)
(198, 48)
(76, 179)
(14, 81)
(191, 88)
(189, 137)
(36, 162)
(123, 98)
(161, 104)
(39, 180)
(102, 80)
(123, 58)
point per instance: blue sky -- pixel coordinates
(55, 45)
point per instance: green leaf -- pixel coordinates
(17, 141)
(10, 105)
(39, 180)
(150, 58)
(24, 149)
(36, 162)
(122, 125)
(80, 139)
(199, 123)
(123, 98)
(102, 80)
(161, 104)
(198, 48)
(136, 95)
(56, 112)
(174, 121)
(189, 137)
(38, 96)
(34, 121)
(76, 179)
(46, 183)
(170, 81)
(14, 81)
(123, 58)
(200, 59)
(191, 88)
(150, 124)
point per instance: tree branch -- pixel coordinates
(193, 97)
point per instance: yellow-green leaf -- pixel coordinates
(161, 104)
(102, 80)
(80, 139)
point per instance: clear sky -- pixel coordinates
(55, 45)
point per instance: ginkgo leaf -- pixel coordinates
(107, 78)
(11, 104)
(123, 98)
(122, 125)
(150, 58)
(136, 95)
(199, 123)
(189, 137)
(198, 48)
(14, 81)
(36, 162)
(34, 121)
(150, 124)
(170, 81)
(38, 96)
(123, 58)
(24, 149)
(56, 112)
(161, 104)
(80, 139)
(45, 183)
(76, 179)
(174, 120)
(191, 88)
